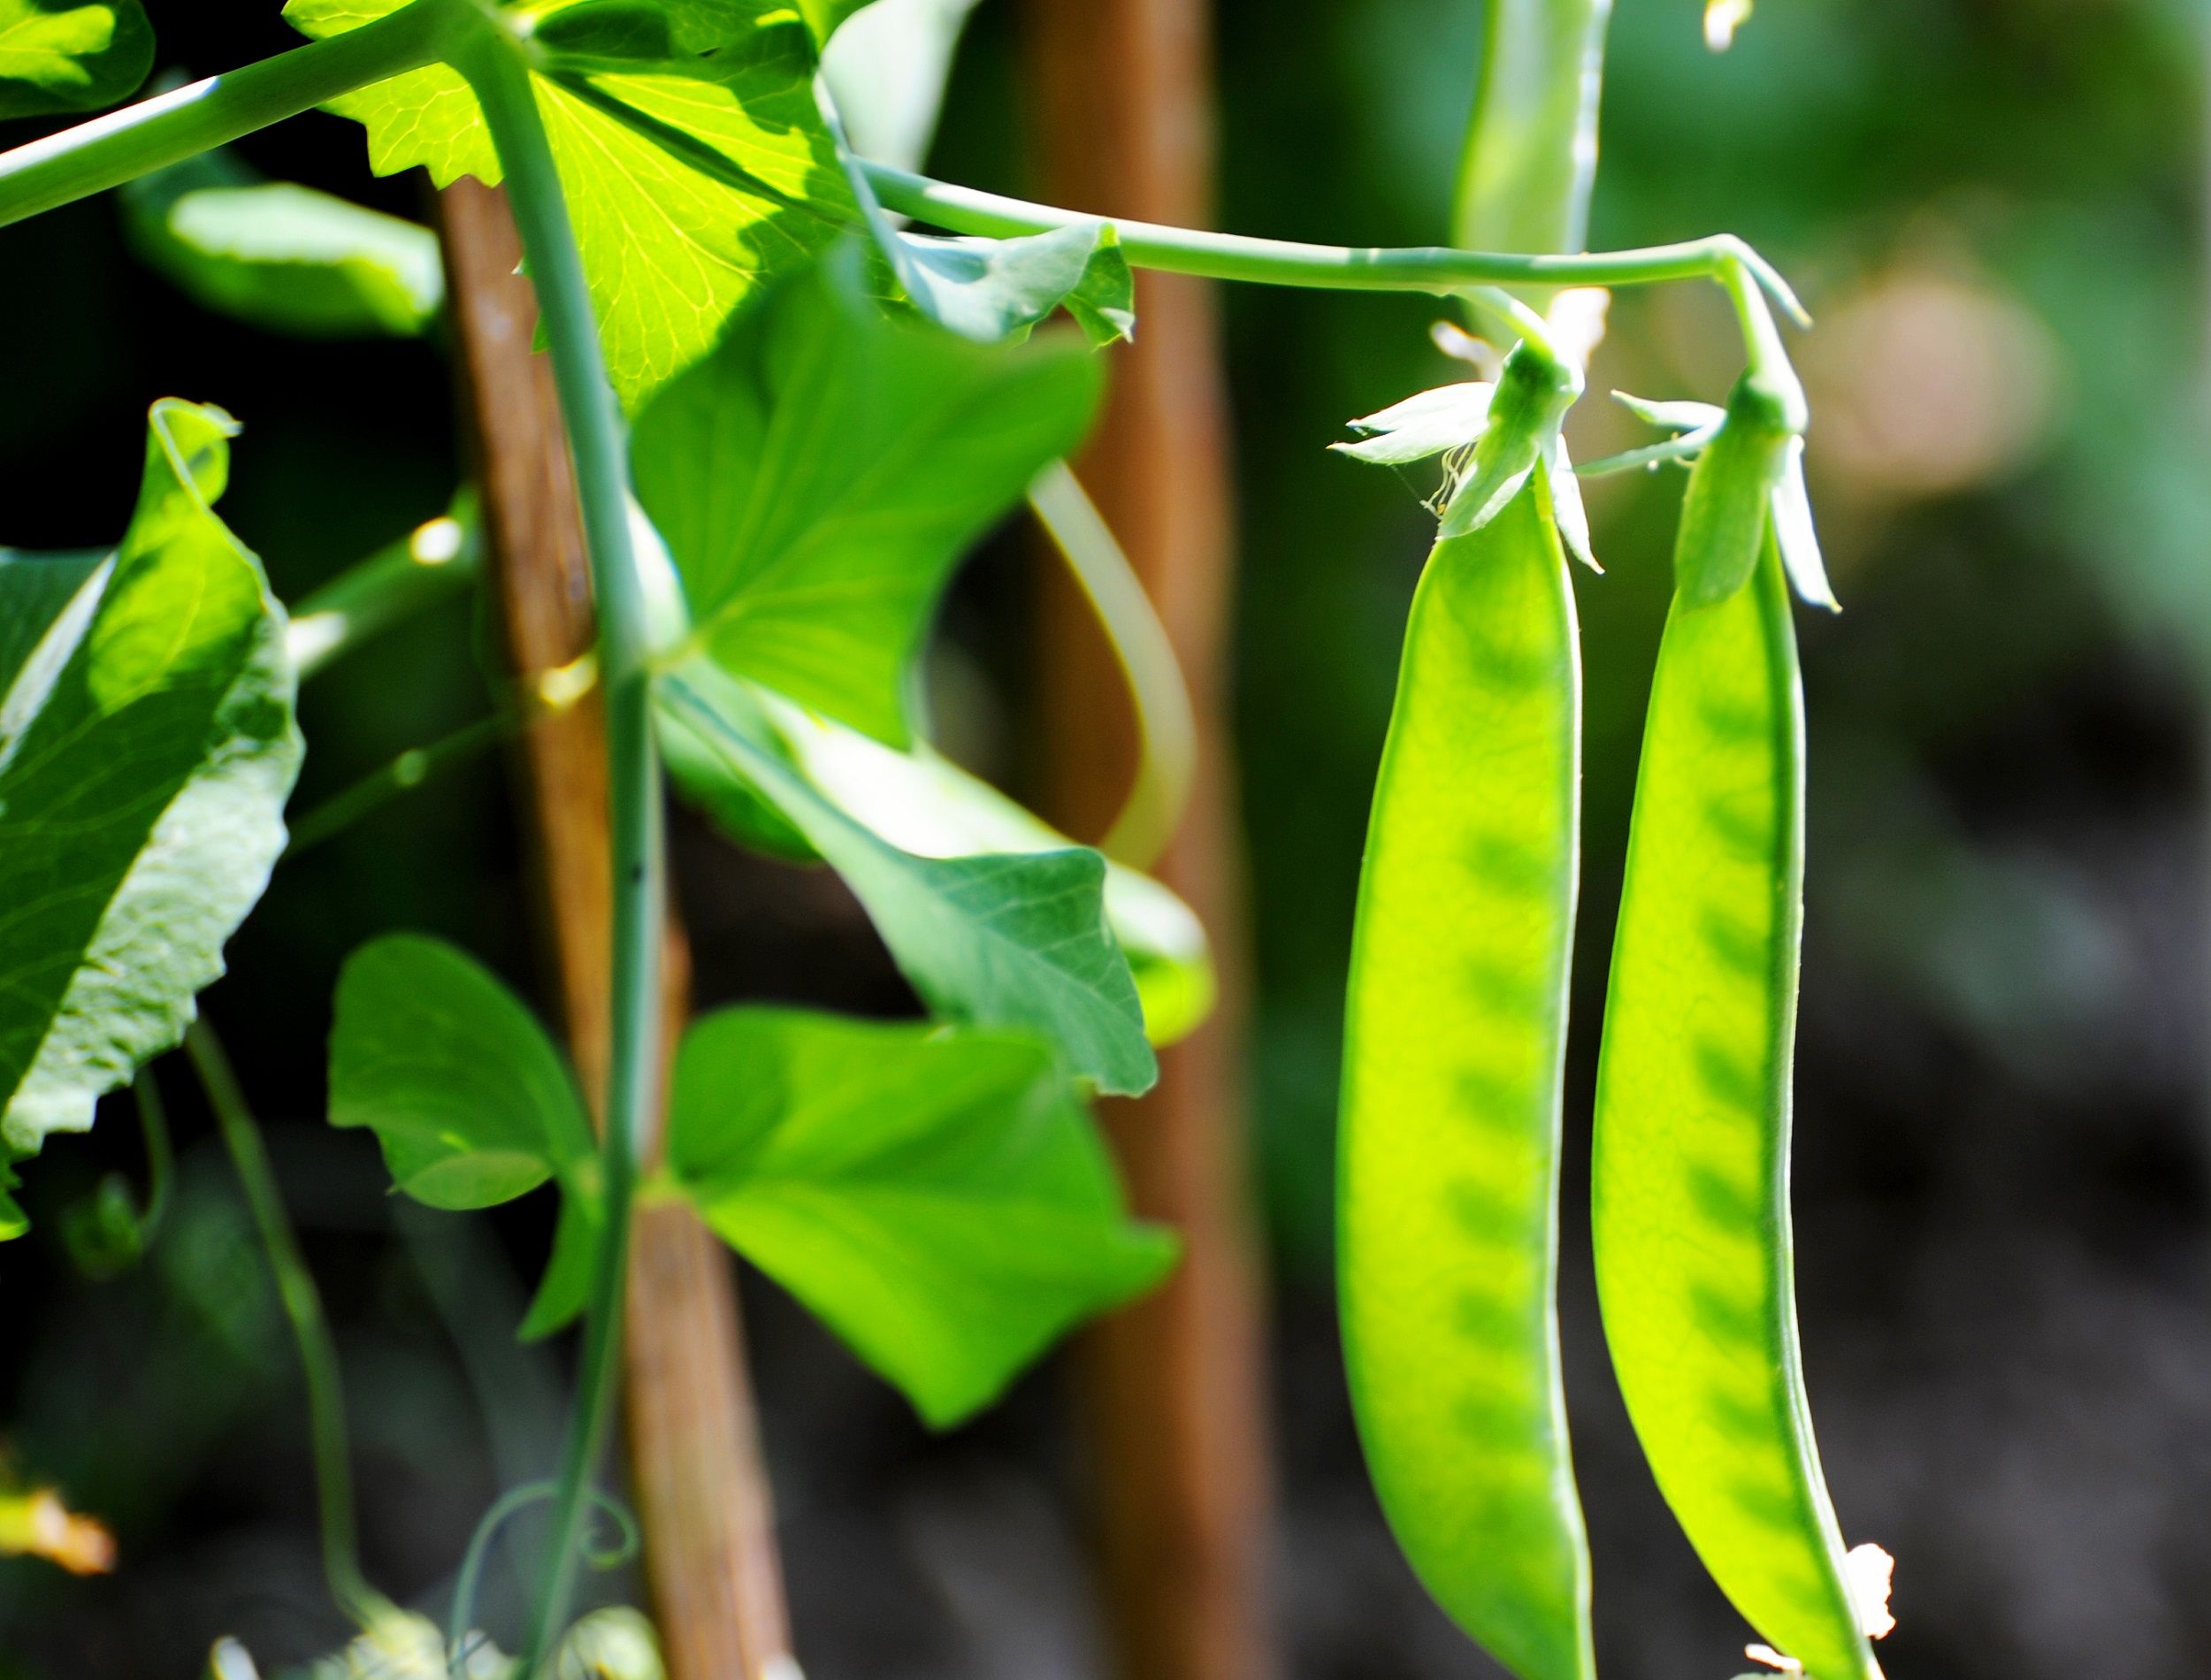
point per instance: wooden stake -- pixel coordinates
(1173, 1389)
(702, 1496)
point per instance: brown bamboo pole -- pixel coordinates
(702, 1496)
(1172, 1390)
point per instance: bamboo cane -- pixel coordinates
(702, 1496)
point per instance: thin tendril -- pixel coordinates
(462, 1639)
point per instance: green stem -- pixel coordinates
(1166, 729)
(1435, 269)
(1531, 149)
(1768, 358)
(496, 72)
(404, 774)
(161, 1153)
(390, 586)
(303, 1307)
(170, 127)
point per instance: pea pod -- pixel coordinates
(1693, 1256)
(1448, 1179)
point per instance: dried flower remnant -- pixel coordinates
(1869, 1569)
(34, 1523)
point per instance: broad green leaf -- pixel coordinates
(1453, 1060)
(63, 56)
(146, 747)
(817, 477)
(1690, 1193)
(468, 1099)
(616, 35)
(689, 180)
(285, 256)
(1011, 940)
(921, 802)
(937, 1194)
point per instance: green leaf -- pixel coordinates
(939, 1195)
(1013, 940)
(689, 178)
(13, 1223)
(624, 34)
(921, 802)
(993, 289)
(818, 476)
(989, 289)
(470, 1101)
(147, 746)
(63, 56)
(284, 256)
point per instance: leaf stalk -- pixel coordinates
(170, 127)
(1437, 268)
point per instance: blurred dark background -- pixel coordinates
(1995, 211)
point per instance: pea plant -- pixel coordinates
(789, 417)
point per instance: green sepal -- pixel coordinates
(1726, 510)
(1677, 416)
(61, 56)
(1795, 536)
(939, 1195)
(1534, 392)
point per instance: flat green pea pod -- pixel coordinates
(1449, 1164)
(1693, 1252)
